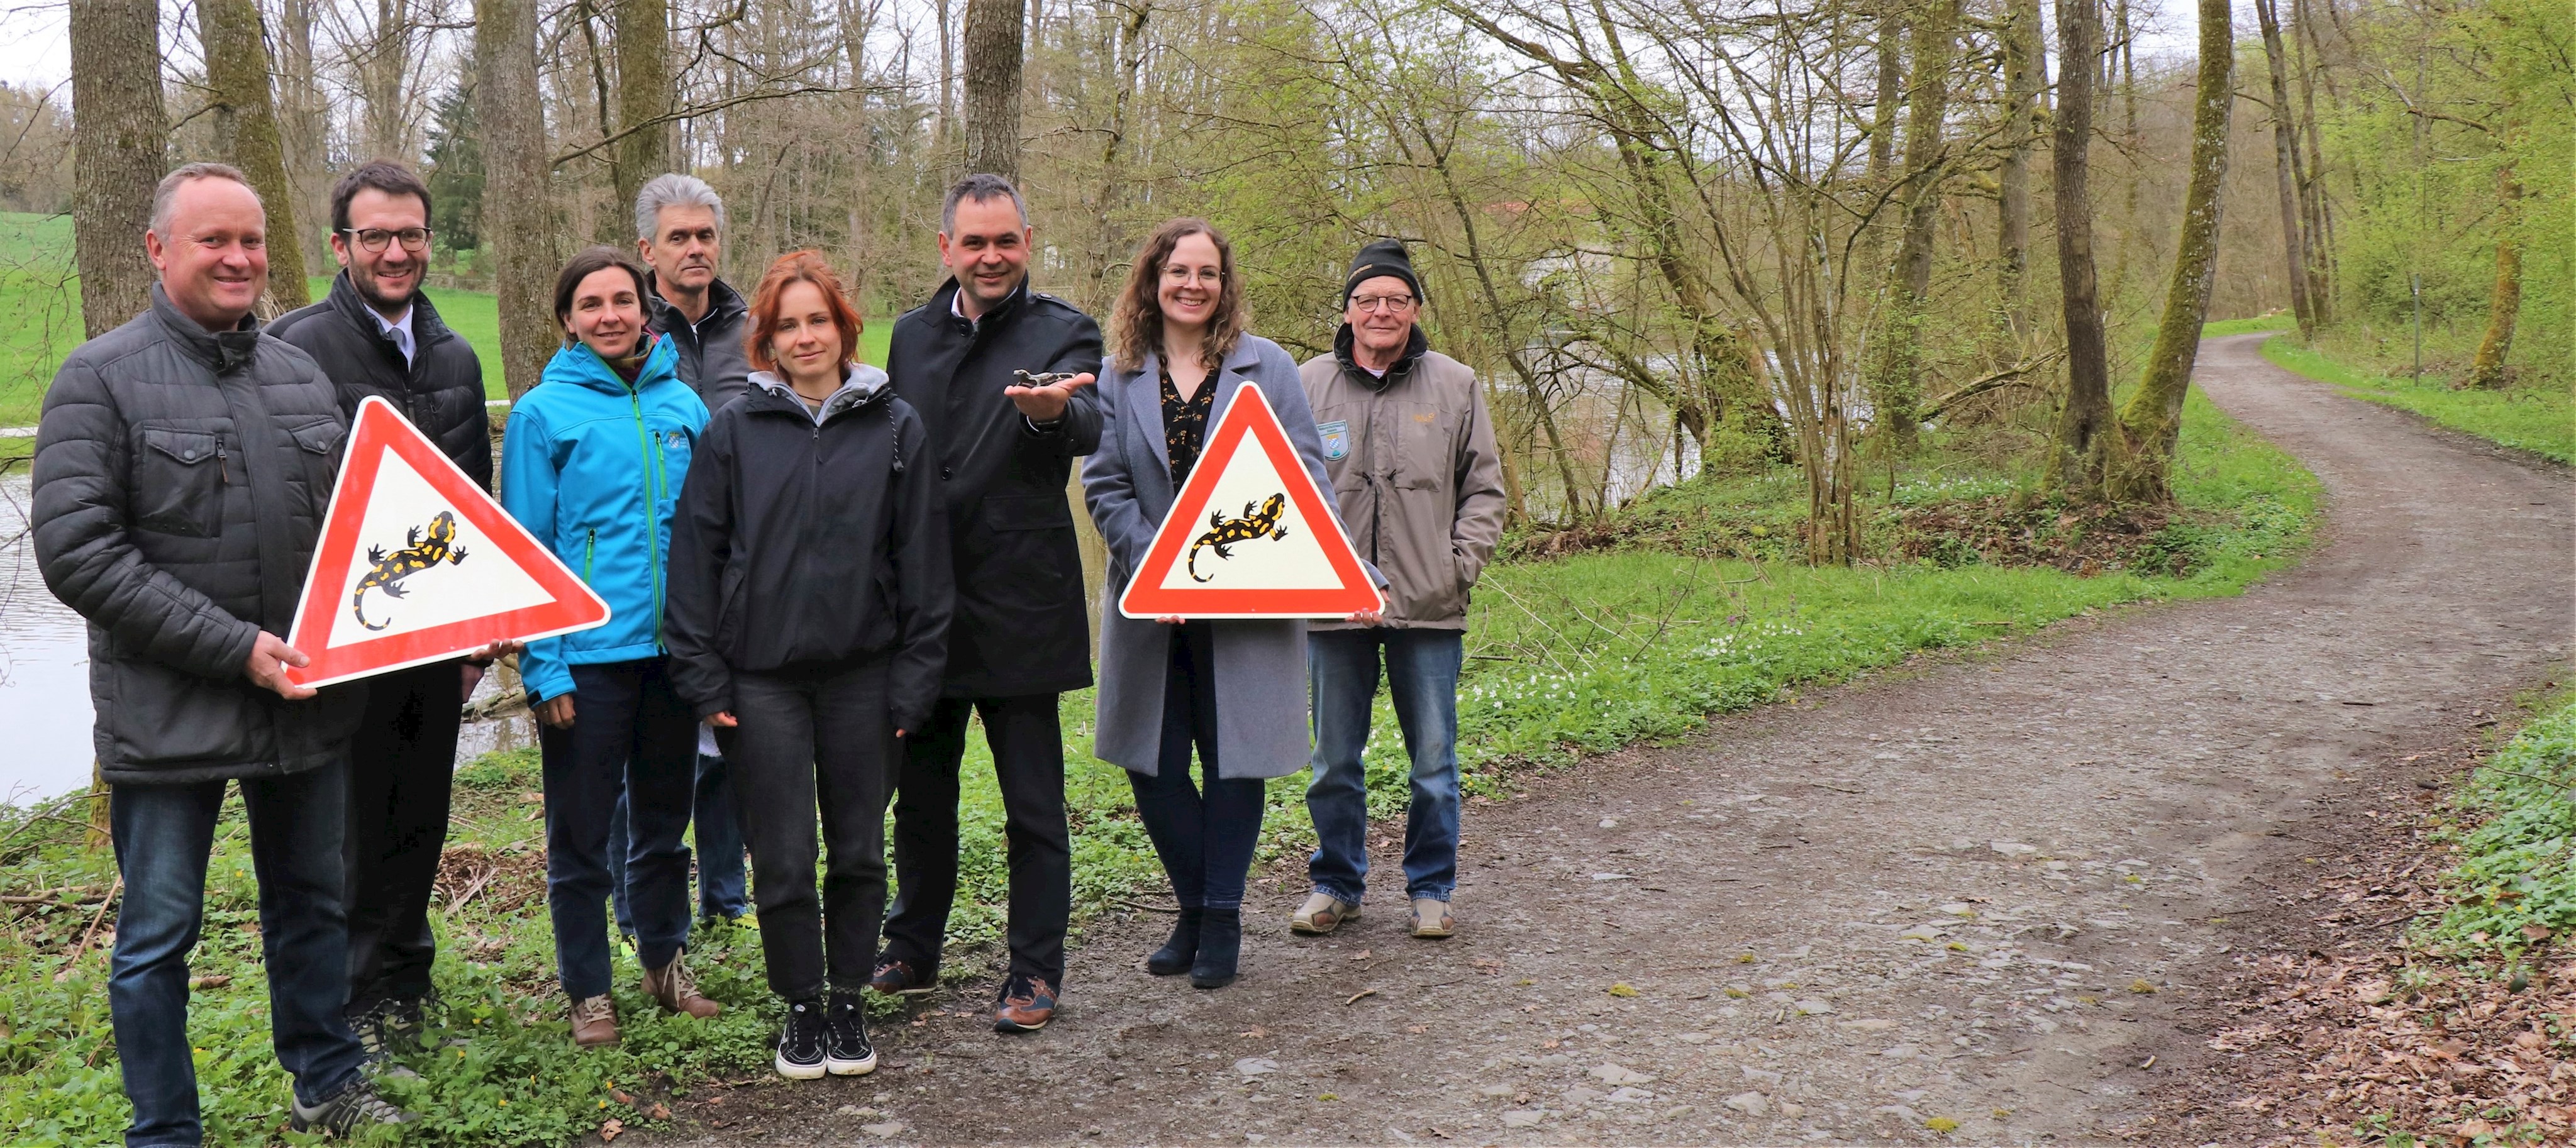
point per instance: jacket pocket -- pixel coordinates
(1027, 512)
(318, 442)
(178, 482)
(1423, 454)
(171, 719)
(729, 611)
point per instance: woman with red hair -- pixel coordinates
(808, 622)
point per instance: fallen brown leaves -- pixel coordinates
(2334, 1032)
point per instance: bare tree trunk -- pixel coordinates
(384, 75)
(2025, 73)
(2075, 462)
(120, 139)
(1897, 385)
(2285, 162)
(236, 50)
(2319, 220)
(300, 114)
(2152, 419)
(518, 214)
(1126, 50)
(1883, 107)
(2504, 307)
(947, 74)
(995, 46)
(643, 93)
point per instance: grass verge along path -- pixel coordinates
(2537, 419)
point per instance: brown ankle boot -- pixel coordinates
(594, 1021)
(678, 992)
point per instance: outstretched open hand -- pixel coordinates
(1046, 404)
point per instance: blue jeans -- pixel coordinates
(164, 836)
(719, 856)
(631, 736)
(1422, 673)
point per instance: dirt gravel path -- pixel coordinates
(1984, 890)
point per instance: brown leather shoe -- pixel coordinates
(1027, 1004)
(594, 1022)
(677, 990)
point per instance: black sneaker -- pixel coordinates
(846, 1051)
(800, 1043)
(354, 1107)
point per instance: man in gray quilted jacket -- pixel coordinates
(183, 464)
(1410, 450)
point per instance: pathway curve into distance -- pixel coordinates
(1981, 893)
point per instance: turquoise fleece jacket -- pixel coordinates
(592, 465)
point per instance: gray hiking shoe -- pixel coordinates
(352, 1108)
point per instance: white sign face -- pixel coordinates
(1255, 537)
(403, 525)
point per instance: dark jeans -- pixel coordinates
(401, 766)
(1422, 673)
(1205, 839)
(631, 735)
(164, 836)
(719, 855)
(820, 738)
(1028, 761)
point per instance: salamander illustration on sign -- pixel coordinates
(417, 554)
(1256, 523)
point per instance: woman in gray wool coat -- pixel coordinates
(1181, 355)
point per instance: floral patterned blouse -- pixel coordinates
(1185, 424)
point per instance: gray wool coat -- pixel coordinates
(1261, 714)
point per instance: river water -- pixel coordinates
(44, 667)
(44, 675)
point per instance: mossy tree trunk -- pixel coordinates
(2142, 451)
(2025, 73)
(2504, 306)
(643, 97)
(518, 212)
(2075, 457)
(247, 136)
(120, 145)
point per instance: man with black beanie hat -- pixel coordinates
(1410, 449)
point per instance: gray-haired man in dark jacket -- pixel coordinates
(183, 464)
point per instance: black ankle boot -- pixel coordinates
(1220, 944)
(1177, 953)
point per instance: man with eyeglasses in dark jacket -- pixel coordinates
(377, 334)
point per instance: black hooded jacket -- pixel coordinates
(440, 390)
(805, 543)
(1020, 626)
(181, 477)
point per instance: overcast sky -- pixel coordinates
(35, 48)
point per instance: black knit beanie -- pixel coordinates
(1381, 257)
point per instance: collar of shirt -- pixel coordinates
(398, 330)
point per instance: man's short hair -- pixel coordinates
(979, 187)
(673, 190)
(188, 173)
(383, 175)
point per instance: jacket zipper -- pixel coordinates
(651, 456)
(223, 462)
(589, 550)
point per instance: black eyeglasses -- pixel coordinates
(375, 238)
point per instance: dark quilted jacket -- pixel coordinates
(440, 390)
(180, 481)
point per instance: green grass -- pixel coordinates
(2513, 883)
(40, 316)
(2539, 419)
(2276, 321)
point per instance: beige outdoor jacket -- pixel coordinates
(1412, 460)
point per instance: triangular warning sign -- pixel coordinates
(1249, 535)
(417, 564)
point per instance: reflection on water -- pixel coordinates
(44, 675)
(44, 667)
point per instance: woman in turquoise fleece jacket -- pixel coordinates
(592, 466)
